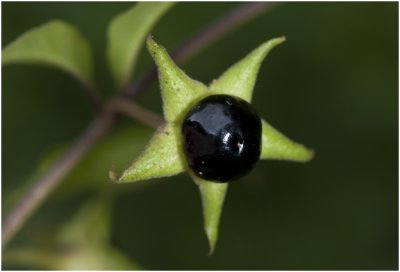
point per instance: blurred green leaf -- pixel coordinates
(57, 44)
(240, 78)
(82, 243)
(100, 257)
(127, 32)
(31, 258)
(91, 224)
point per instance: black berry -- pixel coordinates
(221, 138)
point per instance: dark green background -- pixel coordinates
(332, 85)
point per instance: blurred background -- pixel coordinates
(332, 86)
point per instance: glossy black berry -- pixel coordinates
(221, 138)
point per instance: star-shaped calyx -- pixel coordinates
(164, 156)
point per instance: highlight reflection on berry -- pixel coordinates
(221, 138)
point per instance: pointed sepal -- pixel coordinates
(277, 146)
(240, 78)
(161, 158)
(178, 91)
(212, 197)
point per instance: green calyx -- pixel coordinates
(164, 155)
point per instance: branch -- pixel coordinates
(92, 94)
(106, 119)
(134, 110)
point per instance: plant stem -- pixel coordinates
(93, 96)
(107, 118)
(134, 110)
